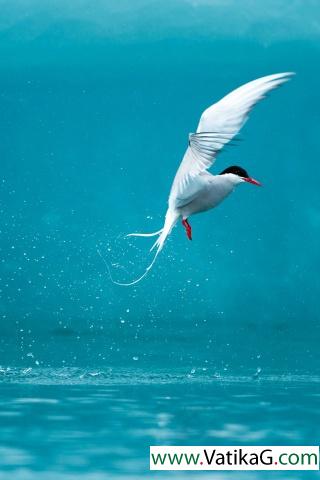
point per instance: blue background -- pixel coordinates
(97, 99)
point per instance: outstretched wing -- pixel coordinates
(217, 126)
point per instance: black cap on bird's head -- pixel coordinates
(242, 173)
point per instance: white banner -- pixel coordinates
(234, 458)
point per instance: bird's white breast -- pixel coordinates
(215, 189)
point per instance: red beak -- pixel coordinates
(253, 181)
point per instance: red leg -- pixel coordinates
(187, 226)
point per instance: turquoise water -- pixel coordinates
(220, 344)
(98, 424)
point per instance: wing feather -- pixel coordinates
(217, 126)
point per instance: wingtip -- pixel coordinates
(285, 75)
(277, 79)
(289, 74)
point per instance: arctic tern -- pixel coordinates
(194, 189)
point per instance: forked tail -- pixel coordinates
(170, 221)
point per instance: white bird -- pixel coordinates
(194, 189)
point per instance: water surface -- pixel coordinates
(98, 424)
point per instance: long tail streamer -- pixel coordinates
(134, 281)
(170, 221)
(153, 234)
